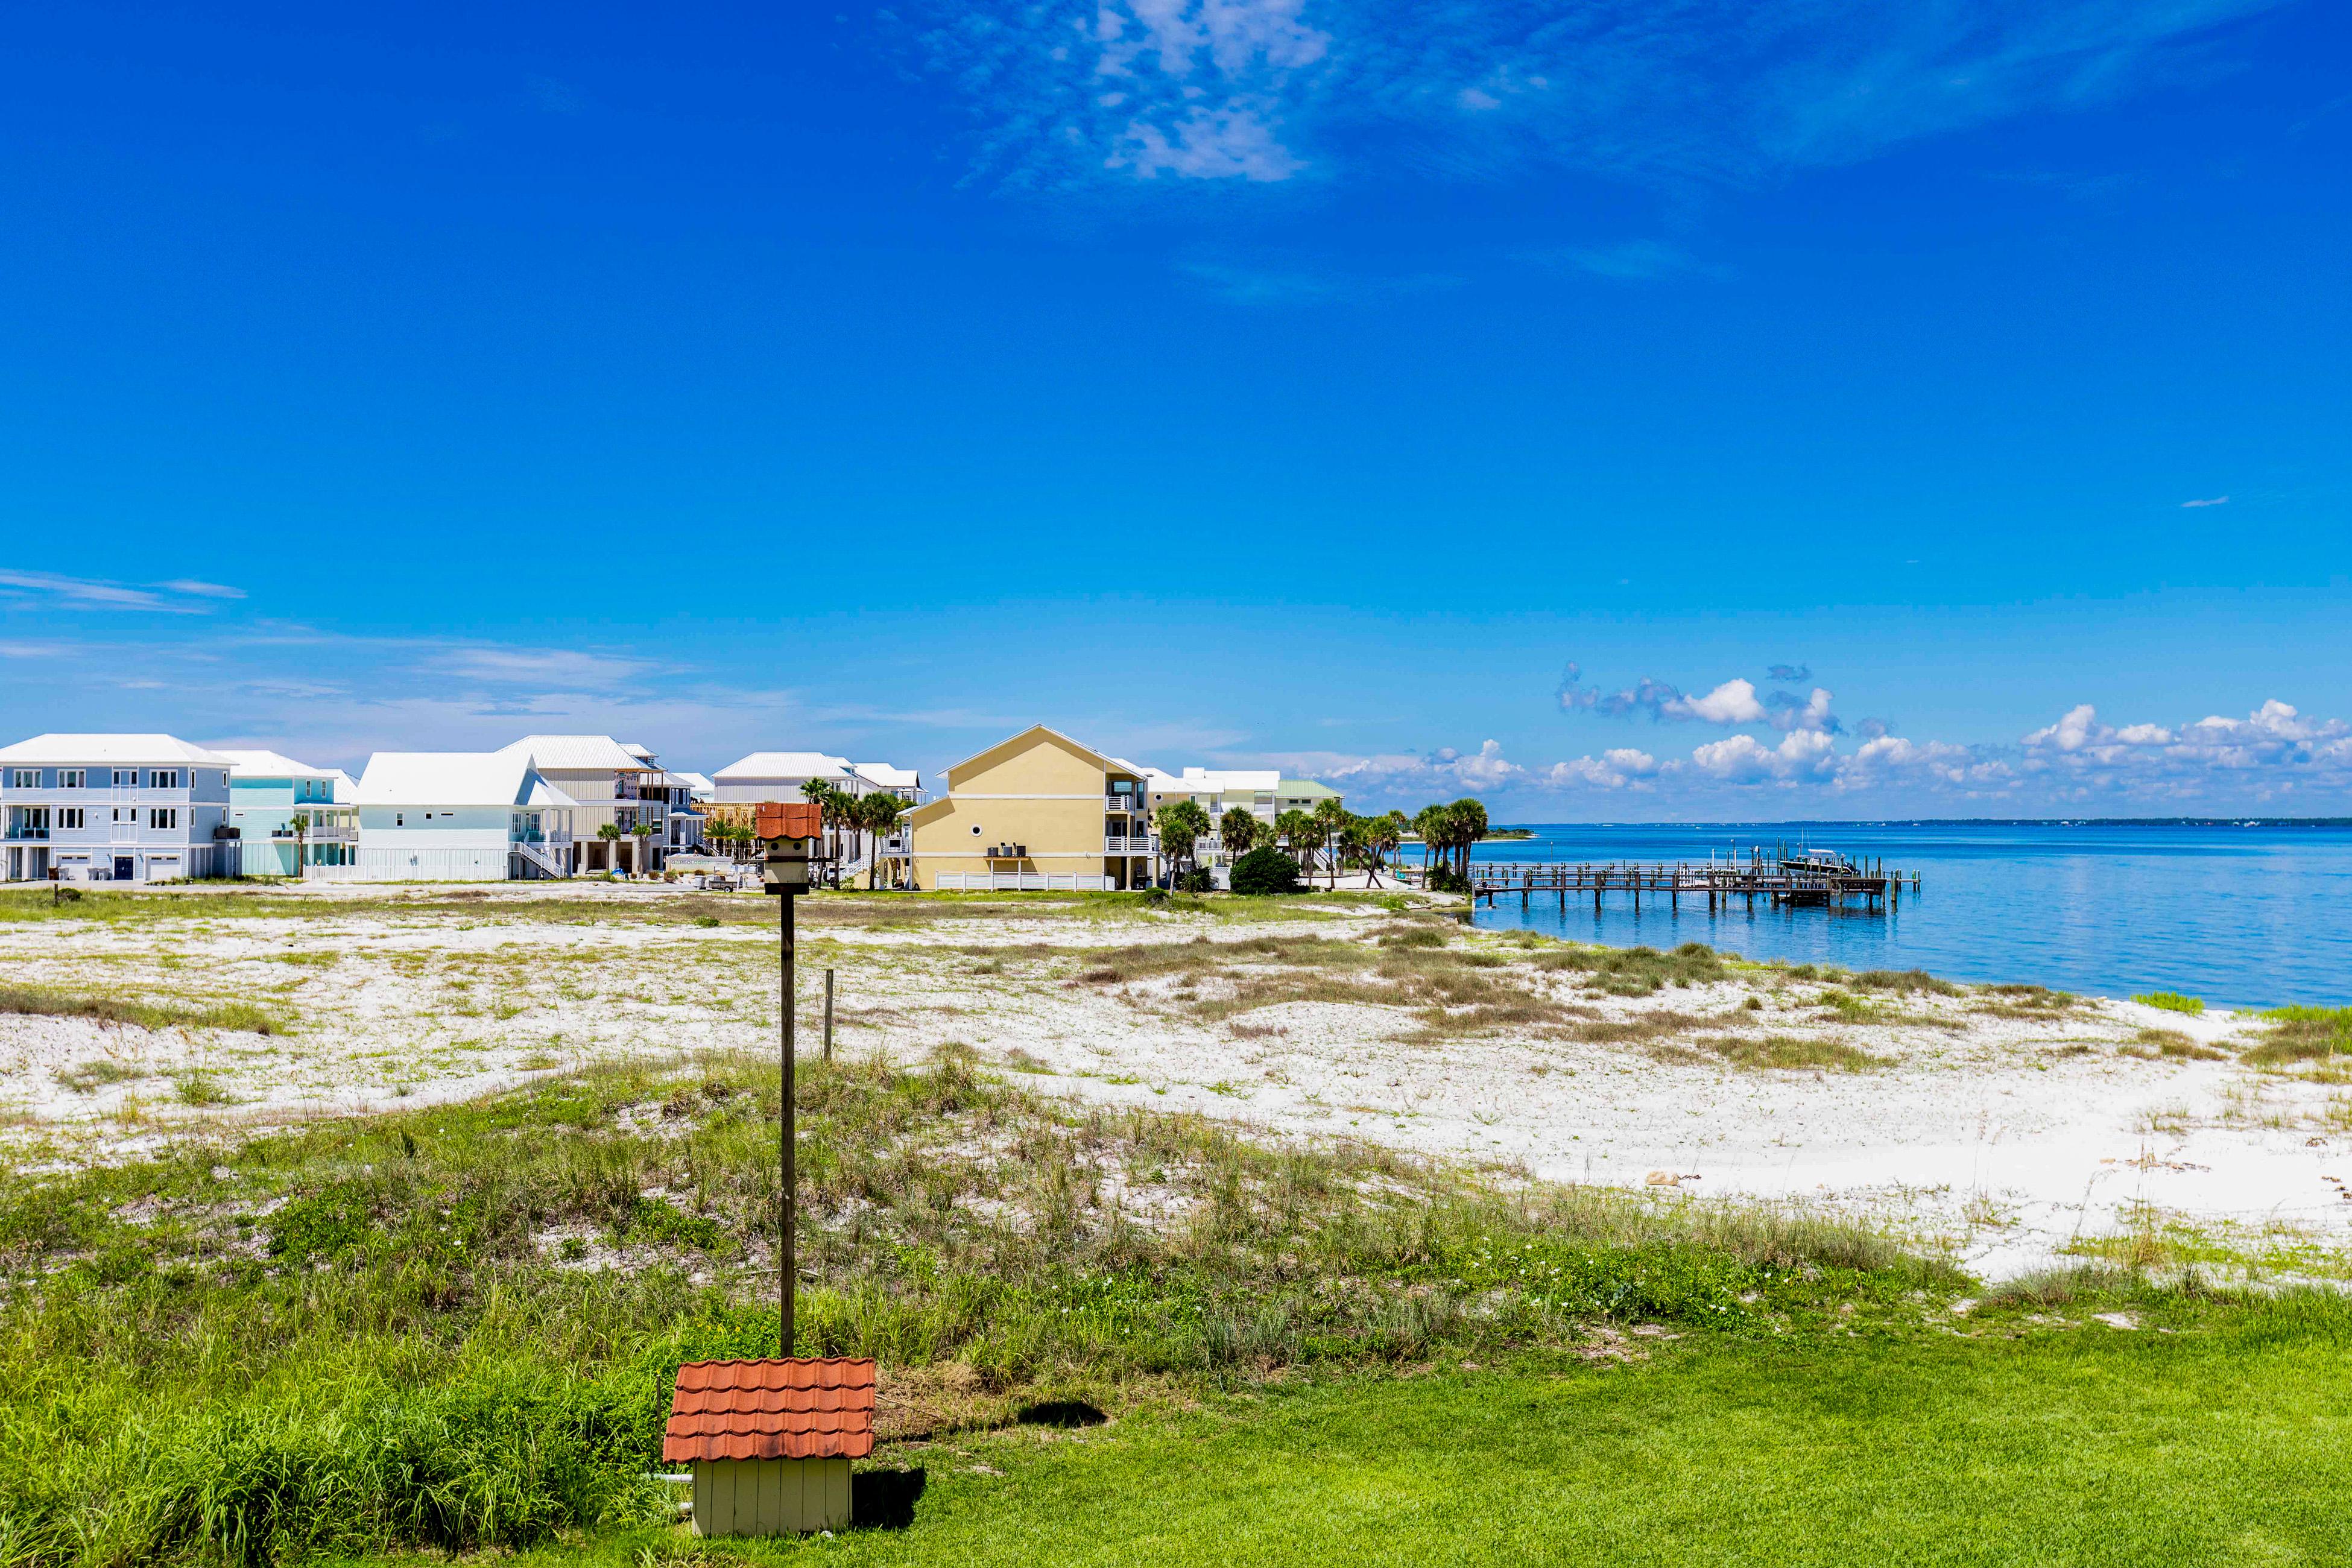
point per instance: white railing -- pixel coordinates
(1123, 802)
(1129, 844)
(1019, 882)
(533, 855)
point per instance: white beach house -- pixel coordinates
(461, 816)
(292, 819)
(119, 809)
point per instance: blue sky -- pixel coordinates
(1618, 411)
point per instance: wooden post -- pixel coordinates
(828, 1015)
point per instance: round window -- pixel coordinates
(975, 830)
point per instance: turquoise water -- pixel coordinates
(2239, 916)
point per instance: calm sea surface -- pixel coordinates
(2239, 916)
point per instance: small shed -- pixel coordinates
(769, 1442)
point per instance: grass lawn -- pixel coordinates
(2223, 1444)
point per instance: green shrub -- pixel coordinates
(2171, 1002)
(1266, 870)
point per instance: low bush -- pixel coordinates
(2171, 1002)
(1266, 870)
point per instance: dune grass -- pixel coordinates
(2302, 1034)
(32, 1001)
(1786, 1053)
(456, 1327)
(2172, 1002)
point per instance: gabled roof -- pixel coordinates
(1304, 789)
(698, 783)
(786, 765)
(272, 765)
(882, 775)
(109, 749)
(637, 752)
(1104, 758)
(576, 751)
(798, 1409)
(1237, 778)
(456, 778)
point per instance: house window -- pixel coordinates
(399, 820)
(164, 816)
(73, 778)
(23, 778)
(69, 816)
(163, 778)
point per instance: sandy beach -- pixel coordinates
(2005, 1125)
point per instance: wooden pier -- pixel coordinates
(1810, 880)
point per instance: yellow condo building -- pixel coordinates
(1037, 811)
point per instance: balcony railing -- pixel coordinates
(1116, 803)
(1129, 843)
(23, 835)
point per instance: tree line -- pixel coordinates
(1330, 838)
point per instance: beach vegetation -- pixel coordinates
(144, 1013)
(2302, 1034)
(2171, 1002)
(1266, 871)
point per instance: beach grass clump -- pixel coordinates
(1905, 983)
(1790, 1053)
(1637, 970)
(2172, 1002)
(40, 1002)
(2179, 1047)
(2303, 1034)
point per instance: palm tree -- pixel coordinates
(1239, 827)
(877, 814)
(1297, 831)
(1469, 819)
(1182, 824)
(834, 808)
(1330, 821)
(1431, 824)
(301, 826)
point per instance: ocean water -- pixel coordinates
(2239, 916)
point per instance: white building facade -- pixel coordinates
(291, 819)
(461, 816)
(114, 808)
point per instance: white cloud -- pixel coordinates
(1621, 767)
(2216, 501)
(1704, 91)
(1732, 702)
(1802, 754)
(96, 593)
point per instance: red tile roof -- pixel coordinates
(797, 1409)
(788, 819)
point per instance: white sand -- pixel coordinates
(2004, 1139)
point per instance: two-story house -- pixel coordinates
(114, 808)
(1037, 810)
(461, 816)
(611, 787)
(292, 819)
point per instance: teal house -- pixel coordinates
(291, 819)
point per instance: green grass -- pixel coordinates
(2302, 1034)
(1789, 1054)
(41, 1001)
(358, 1335)
(2172, 1002)
(2227, 1443)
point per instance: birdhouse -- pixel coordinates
(769, 1442)
(790, 830)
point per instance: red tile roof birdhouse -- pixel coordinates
(798, 1409)
(788, 819)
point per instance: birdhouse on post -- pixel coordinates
(790, 830)
(770, 1442)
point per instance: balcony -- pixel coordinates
(27, 835)
(1130, 843)
(1116, 803)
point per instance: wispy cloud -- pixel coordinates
(2215, 500)
(170, 599)
(1691, 91)
(1257, 284)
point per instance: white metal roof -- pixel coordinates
(272, 765)
(637, 751)
(882, 775)
(576, 751)
(786, 765)
(109, 749)
(697, 783)
(456, 778)
(1158, 783)
(1237, 778)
